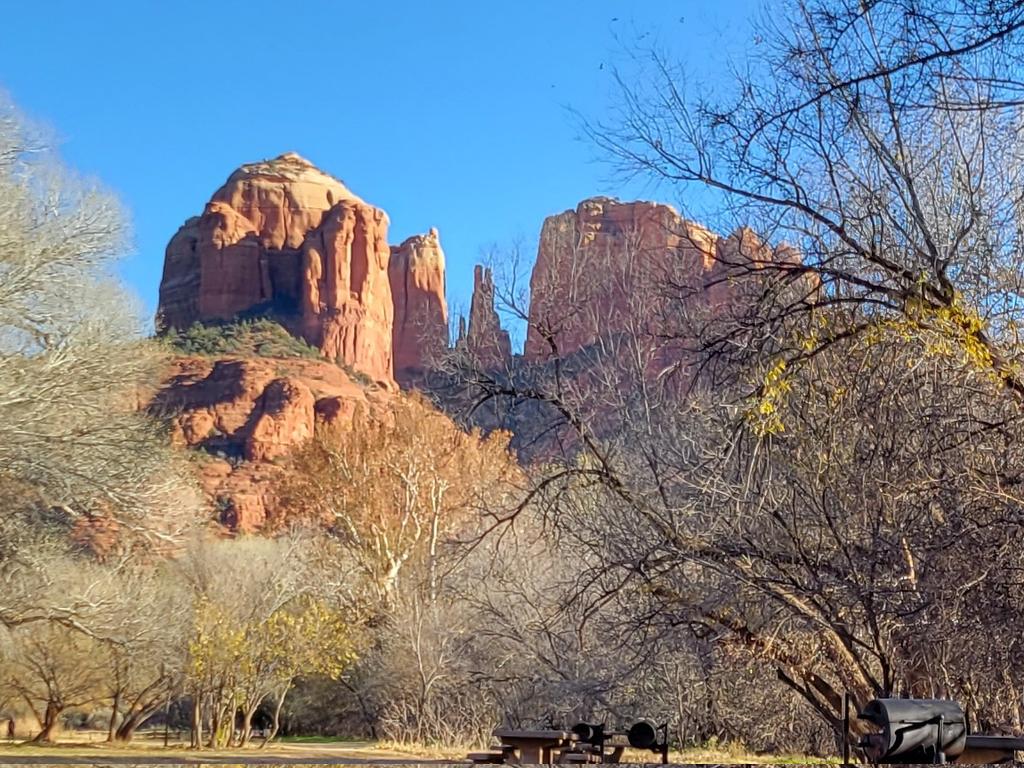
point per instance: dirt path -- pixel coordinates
(341, 753)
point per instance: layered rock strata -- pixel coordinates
(601, 267)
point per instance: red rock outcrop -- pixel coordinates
(283, 198)
(421, 310)
(283, 237)
(599, 268)
(246, 412)
(485, 340)
(345, 301)
(285, 420)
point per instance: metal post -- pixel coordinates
(167, 704)
(167, 717)
(940, 755)
(846, 728)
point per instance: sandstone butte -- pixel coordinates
(600, 266)
(420, 332)
(282, 237)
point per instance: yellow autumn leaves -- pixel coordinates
(954, 331)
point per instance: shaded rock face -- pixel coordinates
(421, 311)
(485, 340)
(600, 268)
(245, 413)
(283, 237)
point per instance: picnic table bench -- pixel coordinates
(533, 747)
(497, 756)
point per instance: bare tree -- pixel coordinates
(53, 669)
(396, 488)
(815, 497)
(146, 642)
(881, 141)
(75, 448)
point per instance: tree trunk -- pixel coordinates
(234, 734)
(224, 733)
(369, 717)
(112, 726)
(50, 718)
(243, 740)
(214, 727)
(197, 722)
(276, 724)
(131, 722)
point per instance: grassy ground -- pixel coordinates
(318, 740)
(87, 747)
(727, 754)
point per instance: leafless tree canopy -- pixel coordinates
(823, 477)
(880, 139)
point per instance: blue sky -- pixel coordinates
(447, 114)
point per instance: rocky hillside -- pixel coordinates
(287, 309)
(242, 413)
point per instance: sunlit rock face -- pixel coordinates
(246, 413)
(600, 270)
(420, 336)
(281, 237)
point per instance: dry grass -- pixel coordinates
(732, 753)
(433, 751)
(79, 748)
(87, 747)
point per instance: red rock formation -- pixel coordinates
(179, 286)
(485, 339)
(421, 312)
(284, 237)
(599, 269)
(283, 198)
(345, 294)
(286, 420)
(244, 413)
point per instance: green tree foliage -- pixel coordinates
(261, 337)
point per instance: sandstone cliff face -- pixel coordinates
(421, 311)
(485, 340)
(179, 286)
(246, 412)
(345, 293)
(283, 198)
(599, 268)
(281, 236)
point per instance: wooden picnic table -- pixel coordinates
(534, 747)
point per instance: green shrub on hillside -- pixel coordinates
(356, 375)
(261, 337)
